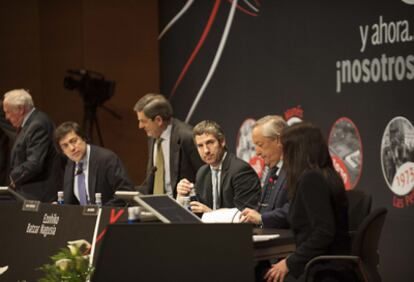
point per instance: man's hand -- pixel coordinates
(184, 187)
(198, 207)
(251, 216)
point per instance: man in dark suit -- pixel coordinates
(7, 137)
(178, 157)
(274, 206)
(225, 181)
(90, 169)
(35, 166)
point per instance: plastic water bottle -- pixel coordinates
(193, 195)
(134, 214)
(98, 199)
(60, 197)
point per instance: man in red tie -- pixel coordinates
(274, 206)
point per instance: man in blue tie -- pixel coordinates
(90, 169)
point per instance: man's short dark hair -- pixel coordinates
(153, 105)
(62, 130)
(209, 127)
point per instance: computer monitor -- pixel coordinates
(127, 196)
(166, 209)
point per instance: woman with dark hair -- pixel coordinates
(318, 204)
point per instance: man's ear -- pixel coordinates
(223, 143)
(158, 120)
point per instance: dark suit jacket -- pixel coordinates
(7, 137)
(184, 157)
(106, 175)
(35, 165)
(239, 184)
(319, 220)
(276, 213)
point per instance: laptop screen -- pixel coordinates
(166, 209)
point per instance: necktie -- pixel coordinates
(216, 189)
(159, 173)
(81, 184)
(267, 188)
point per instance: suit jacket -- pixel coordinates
(318, 217)
(184, 157)
(239, 184)
(106, 175)
(36, 167)
(7, 137)
(275, 215)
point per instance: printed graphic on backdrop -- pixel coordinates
(345, 148)
(245, 148)
(294, 115)
(397, 160)
(247, 8)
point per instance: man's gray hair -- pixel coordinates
(19, 97)
(271, 125)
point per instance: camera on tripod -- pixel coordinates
(95, 90)
(92, 86)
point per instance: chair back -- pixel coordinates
(359, 207)
(365, 242)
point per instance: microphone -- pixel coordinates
(79, 168)
(13, 182)
(151, 179)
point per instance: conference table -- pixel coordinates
(278, 247)
(31, 232)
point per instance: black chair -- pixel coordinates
(364, 257)
(359, 207)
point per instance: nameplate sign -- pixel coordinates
(90, 210)
(30, 205)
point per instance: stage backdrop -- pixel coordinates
(347, 66)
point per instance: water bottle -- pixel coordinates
(98, 199)
(186, 202)
(60, 197)
(193, 195)
(134, 214)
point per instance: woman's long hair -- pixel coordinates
(305, 148)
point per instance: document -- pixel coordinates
(222, 216)
(3, 269)
(259, 238)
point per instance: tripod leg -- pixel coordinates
(98, 130)
(88, 125)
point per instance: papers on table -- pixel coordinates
(222, 216)
(259, 238)
(3, 269)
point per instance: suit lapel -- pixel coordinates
(69, 182)
(208, 188)
(224, 174)
(20, 138)
(92, 174)
(174, 154)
